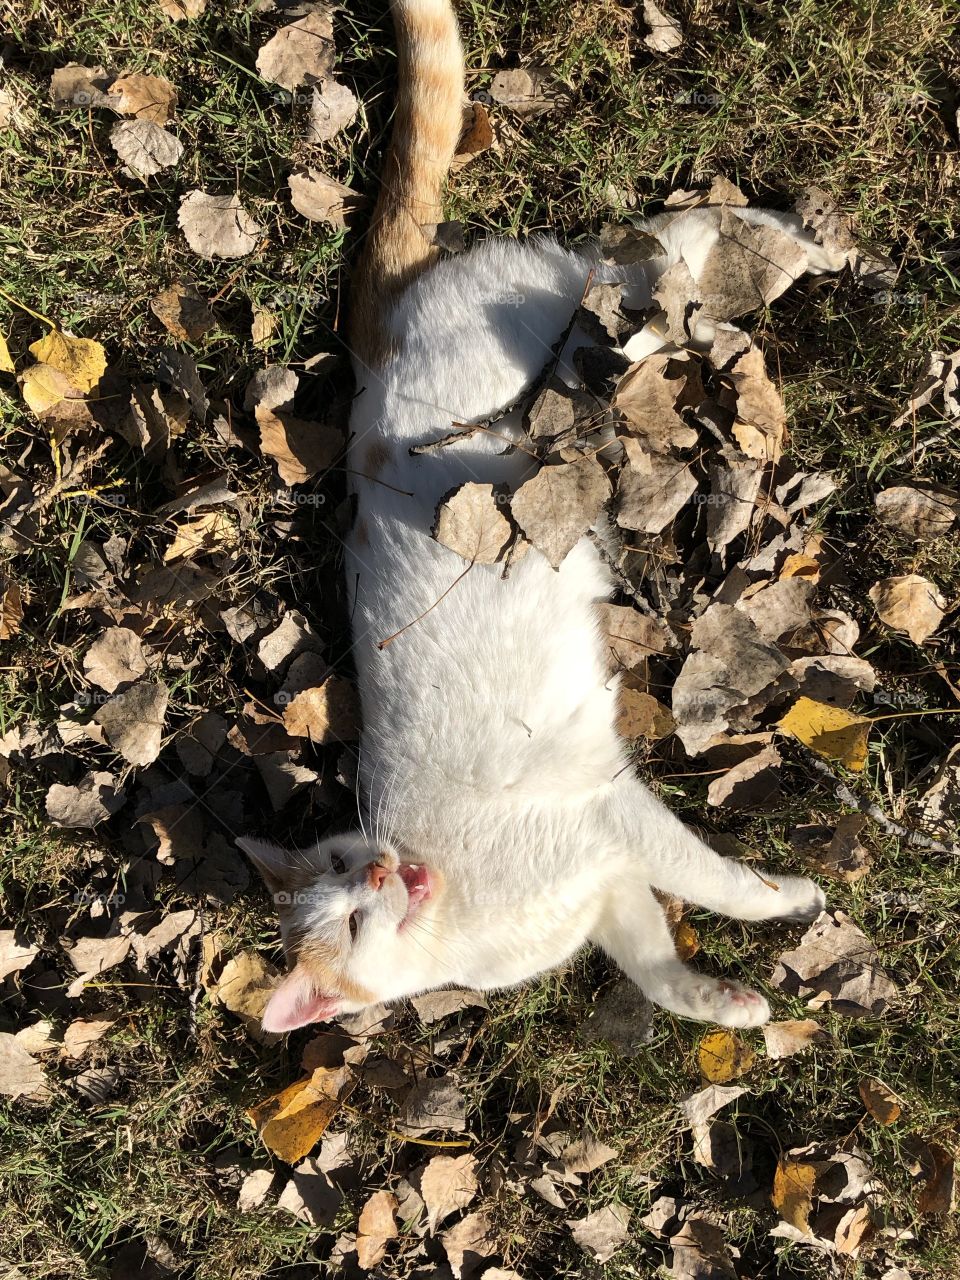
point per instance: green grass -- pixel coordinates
(851, 96)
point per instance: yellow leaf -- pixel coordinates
(82, 360)
(291, 1122)
(724, 1056)
(43, 386)
(327, 713)
(880, 1100)
(6, 360)
(640, 715)
(207, 533)
(686, 940)
(831, 731)
(793, 1192)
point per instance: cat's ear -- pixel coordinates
(273, 863)
(296, 1001)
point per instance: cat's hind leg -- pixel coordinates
(633, 932)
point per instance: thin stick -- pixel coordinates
(382, 644)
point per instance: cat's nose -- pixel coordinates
(376, 875)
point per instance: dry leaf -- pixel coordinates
(723, 1056)
(792, 1196)
(476, 136)
(432, 1106)
(832, 732)
(652, 489)
(329, 713)
(322, 199)
(837, 965)
(909, 603)
(291, 1122)
(144, 147)
(262, 326)
(133, 721)
(436, 1005)
(938, 1167)
(700, 1252)
(244, 987)
(183, 312)
(93, 956)
(523, 90)
(301, 449)
(631, 638)
(880, 1100)
(332, 107)
(448, 1183)
(783, 1039)
(664, 33)
(301, 53)
(6, 360)
(602, 1232)
(181, 10)
(82, 361)
(751, 784)
(640, 715)
(377, 1225)
(11, 610)
(217, 226)
(21, 1076)
(559, 504)
(470, 521)
(14, 955)
(650, 395)
(919, 513)
(149, 98)
(206, 534)
(116, 658)
(748, 267)
(82, 1033)
(700, 1106)
(939, 378)
(76, 86)
(94, 799)
(469, 1244)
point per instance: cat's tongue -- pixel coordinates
(417, 884)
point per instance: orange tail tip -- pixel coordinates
(399, 243)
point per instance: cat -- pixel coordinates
(505, 827)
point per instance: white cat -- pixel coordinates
(506, 826)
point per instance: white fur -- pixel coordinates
(489, 751)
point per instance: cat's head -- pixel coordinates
(345, 905)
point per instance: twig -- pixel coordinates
(912, 839)
(382, 644)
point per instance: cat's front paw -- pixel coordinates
(803, 899)
(720, 1000)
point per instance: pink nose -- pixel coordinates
(376, 875)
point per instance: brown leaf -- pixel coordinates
(792, 1197)
(376, 1227)
(14, 955)
(734, 488)
(433, 1105)
(448, 1183)
(909, 603)
(652, 488)
(631, 637)
(436, 1005)
(244, 987)
(150, 98)
(559, 504)
(133, 721)
(115, 659)
(300, 53)
(11, 610)
(329, 713)
(206, 534)
(700, 1106)
(93, 956)
(665, 33)
(217, 226)
(939, 379)
(21, 1076)
(181, 10)
(783, 1039)
(938, 1166)
(82, 1033)
(144, 147)
(699, 1252)
(332, 107)
(182, 311)
(919, 513)
(748, 267)
(301, 449)
(640, 715)
(603, 1232)
(880, 1100)
(469, 1244)
(838, 965)
(523, 90)
(476, 136)
(470, 521)
(752, 784)
(650, 395)
(94, 799)
(76, 86)
(322, 199)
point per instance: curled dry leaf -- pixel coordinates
(940, 379)
(832, 732)
(301, 449)
(181, 10)
(149, 98)
(217, 226)
(14, 955)
(301, 53)
(880, 1100)
(784, 1039)
(837, 965)
(448, 1183)
(700, 1106)
(723, 1056)
(94, 799)
(640, 715)
(322, 199)
(144, 147)
(471, 522)
(83, 1033)
(244, 987)
(182, 311)
(203, 535)
(476, 137)
(751, 784)
(909, 603)
(468, 1244)
(11, 610)
(559, 504)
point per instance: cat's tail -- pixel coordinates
(399, 244)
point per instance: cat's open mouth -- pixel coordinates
(416, 881)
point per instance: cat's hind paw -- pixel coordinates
(720, 1000)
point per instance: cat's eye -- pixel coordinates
(354, 925)
(338, 864)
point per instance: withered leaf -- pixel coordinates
(602, 1232)
(476, 137)
(448, 1183)
(649, 396)
(182, 311)
(523, 90)
(84, 1032)
(328, 713)
(94, 799)
(559, 504)
(783, 1039)
(724, 1056)
(748, 267)
(149, 98)
(468, 1244)
(291, 1122)
(20, 1073)
(376, 1226)
(332, 107)
(301, 449)
(14, 955)
(244, 987)
(133, 721)
(880, 1100)
(300, 53)
(837, 965)
(470, 521)
(433, 1105)
(751, 784)
(217, 226)
(909, 603)
(322, 199)
(652, 488)
(116, 658)
(700, 1106)
(144, 147)
(919, 513)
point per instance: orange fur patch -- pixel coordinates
(322, 960)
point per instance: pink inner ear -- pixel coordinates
(295, 1002)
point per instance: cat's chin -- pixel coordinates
(419, 886)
